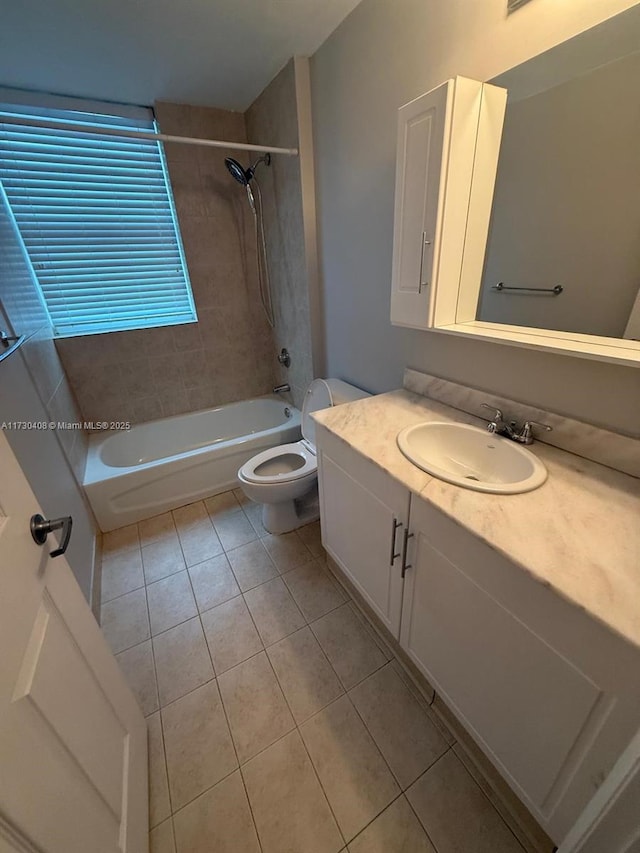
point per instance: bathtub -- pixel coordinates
(164, 464)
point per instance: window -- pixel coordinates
(97, 219)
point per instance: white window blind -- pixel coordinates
(97, 219)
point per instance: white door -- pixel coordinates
(421, 134)
(364, 518)
(73, 742)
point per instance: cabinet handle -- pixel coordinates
(405, 542)
(425, 242)
(392, 555)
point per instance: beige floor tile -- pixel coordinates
(198, 539)
(125, 621)
(351, 649)
(253, 512)
(213, 582)
(240, 496)
(219, 820)
(220, 506)
(314, 590)
(198, 744)
(233, 530)
(161, 838)
(306, 677)
(163, 558)
(171, 602)
(274, 611)
(231, 634)
(159, 805)
(182, 660)
(257, 711)
(121, 540)
(396, 830)
(311, 536)
(352, 772)
(289, 807)
(399, 725)
(456, 814)
(252, 565)
(287, 551)
(157, 529)
(139, 670)
(121, 573)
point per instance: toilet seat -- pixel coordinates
(301, 449)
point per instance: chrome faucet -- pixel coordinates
(523, 435)
(279, 388)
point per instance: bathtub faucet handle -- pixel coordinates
(280, 388)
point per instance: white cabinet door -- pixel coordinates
(364, 519)
(421, 131)
(438, 137)
(539, 686)
(73, 742)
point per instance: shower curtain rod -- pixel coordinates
(155, 137)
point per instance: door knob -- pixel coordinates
(41, 527)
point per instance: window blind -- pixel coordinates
(97, 219)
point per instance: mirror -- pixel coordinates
(562, 261)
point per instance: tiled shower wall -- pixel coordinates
(228, 354)
(272, 119)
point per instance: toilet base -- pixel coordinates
(286, 516)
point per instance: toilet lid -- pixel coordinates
(318, 397)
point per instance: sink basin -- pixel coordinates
(472, 458)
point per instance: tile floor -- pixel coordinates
(277, 721)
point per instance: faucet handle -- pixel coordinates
(497, 413)
(526, 434)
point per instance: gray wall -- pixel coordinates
(567, 205)
(383, 55)
(228, 354)
(33, 388)
(272, 119)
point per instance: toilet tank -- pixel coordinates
(343, 392)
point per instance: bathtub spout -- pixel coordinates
(280, 388)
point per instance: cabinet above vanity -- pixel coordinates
(517, 206)
(520, 610)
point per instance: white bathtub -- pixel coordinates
(161, 465)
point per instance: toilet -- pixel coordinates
(284, 478)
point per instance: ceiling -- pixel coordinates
(210, 52)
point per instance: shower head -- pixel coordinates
(243, 176)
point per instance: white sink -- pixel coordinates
(472, 458)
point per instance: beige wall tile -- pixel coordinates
(353, 773)
(161, 838)
(257, 711)
(289, 807)
(199, 748)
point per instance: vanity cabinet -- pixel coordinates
(550, 695)
(443, 136)
(365, 516)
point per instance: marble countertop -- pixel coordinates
(579, 533)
